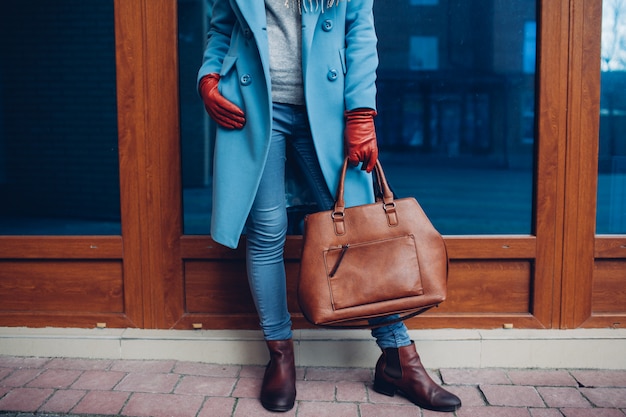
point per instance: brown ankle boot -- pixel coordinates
(278, 392)
(400, 369)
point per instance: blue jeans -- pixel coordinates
(267, 226)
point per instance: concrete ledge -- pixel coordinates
(501, 348)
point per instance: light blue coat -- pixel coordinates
(339, 61)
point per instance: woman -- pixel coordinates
(296, 78)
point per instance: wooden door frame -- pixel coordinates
(146, 45)
(582, 248)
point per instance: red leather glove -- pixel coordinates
(225, 113)
(360, 138)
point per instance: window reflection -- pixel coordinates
(611, 210)
(456, 96)
(58, 118)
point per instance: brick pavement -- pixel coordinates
(62, 387)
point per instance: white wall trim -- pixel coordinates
(443, 348)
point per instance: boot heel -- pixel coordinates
(383, 387)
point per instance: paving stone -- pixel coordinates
(492, 412)
(163, 405)
(25, 399)
(545, 412)
(148, 382)
(248, 407)
(43, 387)
(470, 395)
(539, 377)
(591, 412)
(17, 362)
(512, 396)
(315, 390)
(20, 377)
(351, 391)
(339, 374)
(250, 371)
(101, 402)
(316, 409)
(206, 386)
(377, 398)
(429, 413)
(54, 378)
(217, 407)
(562, 397)
(474, 376)
(206, 369)
(606, 397)
(4, 372)
(247, 388)
(98, 380)
(379, 410)
(601, 378)
(143, 366)
(62, 401)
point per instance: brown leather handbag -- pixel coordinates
(375, 260)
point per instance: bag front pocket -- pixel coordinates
(371, 272)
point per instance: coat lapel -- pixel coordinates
(309, 23)
(253, 13)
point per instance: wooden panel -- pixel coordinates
(491, 247)
(222, 288)
(609, 287)
(613, 246)
(581, 161)
(552, 48)
(498, 289)
(64, 247)
(459, 247)
(217, 288)
(146, 45)
(488, 287)
(61, 286)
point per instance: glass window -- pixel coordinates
(58, 120)
(611, 210)
(456, 111)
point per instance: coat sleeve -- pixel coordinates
(221, 26)
(361, 55)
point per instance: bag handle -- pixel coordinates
(388, 202)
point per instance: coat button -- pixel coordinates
(247, 33)
(332, 74)
(245, 79)
(327, 25)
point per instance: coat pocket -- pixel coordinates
(342, 58)
(227, 65)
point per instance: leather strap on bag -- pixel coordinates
(386, 196)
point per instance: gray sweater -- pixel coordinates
(284, 31)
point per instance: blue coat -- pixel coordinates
(339, 61)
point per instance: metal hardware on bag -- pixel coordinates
(392, 215)
(338, 222)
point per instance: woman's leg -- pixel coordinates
(393, 335)
(266, 233)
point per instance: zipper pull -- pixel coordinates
(344, 248)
